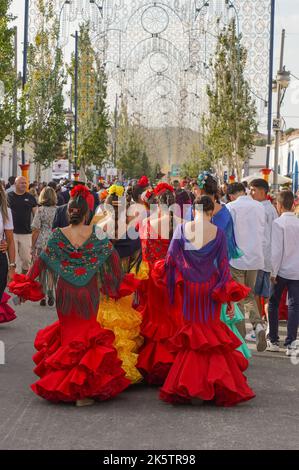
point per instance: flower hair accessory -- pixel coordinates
(147, 195)
(202, 178)
(162, 188)
(116, 189)
(143, 182)
(80, 191)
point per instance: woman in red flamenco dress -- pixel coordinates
(207, 365)
(155, 357)
(75, 359)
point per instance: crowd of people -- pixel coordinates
(151, 283)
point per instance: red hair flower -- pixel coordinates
(80, 271)
(80, 190)
(162, 187)
(76, 255)
(143, 182)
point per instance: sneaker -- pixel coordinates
(273, 347)
(292, 349)
(51, 301)
(251, 336)
(261, 343)
(43, 303)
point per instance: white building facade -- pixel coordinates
(288, 160)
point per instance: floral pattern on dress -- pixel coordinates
(43, 221)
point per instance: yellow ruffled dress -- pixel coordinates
(119, 317)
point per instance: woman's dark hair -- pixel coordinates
(78, 210)
(137, 191)
(129, 193)
(114, 200)
(211, 186)
(206, 202)
(167, 198)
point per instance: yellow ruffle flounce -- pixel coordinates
(119, 317)
(143, 271)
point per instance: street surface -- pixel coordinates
(137, 419)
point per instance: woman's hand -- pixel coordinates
(3, 246)
(11, 273)
(231, 310)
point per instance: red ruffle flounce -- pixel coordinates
(206, 366)
(87, 367)
(26, 288)
(7, 314)
(231, 291)
(161, 321)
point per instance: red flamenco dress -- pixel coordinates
(207, 365)
(155, 357)
(75, 356)
(7, 314)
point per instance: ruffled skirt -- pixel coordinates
(206, 366)
(161, 321)
(85, 366)
(7, 314)
(119, 317)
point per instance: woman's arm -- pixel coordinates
(35, 235)
(11, 252)
(36, 226)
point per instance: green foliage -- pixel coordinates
(232, 120)
(131, 151)
(8, 80)
(93, 118)
(197, 162)
(46, 127)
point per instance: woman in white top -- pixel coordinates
(6, 244)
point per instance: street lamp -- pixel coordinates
(25, 166)
(282, 82)
(76, 36)
(99, 7)
(69, 118)
(270, 84)
(198, 9)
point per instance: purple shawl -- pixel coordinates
(197, 267)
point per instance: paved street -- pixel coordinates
(137, 419)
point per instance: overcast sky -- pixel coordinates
(287, 16)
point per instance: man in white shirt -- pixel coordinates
(285, 271)
(249, 225)
(259, 189)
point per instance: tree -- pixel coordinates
(93, 118)
(197, 162)
(131, 150)
(8, 79)
(232, 120)
(44, 89)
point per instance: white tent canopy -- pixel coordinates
(281, 179)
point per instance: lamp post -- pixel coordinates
(76, 174)
(25, 166)
(69, 117)
(283, 80)
(15, 147)
(270, 91)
